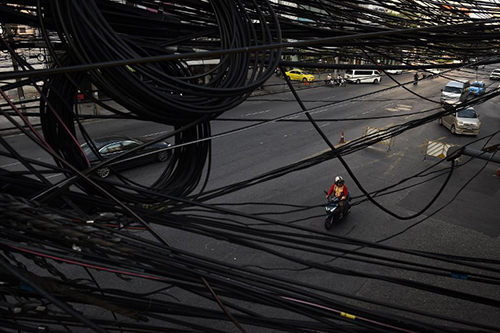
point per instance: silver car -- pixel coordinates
(495, 74)
(465, 121)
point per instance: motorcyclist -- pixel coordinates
(339, 190)
(340, 80)
(415, 78)
(329, 79)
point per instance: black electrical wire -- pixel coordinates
(115, 50)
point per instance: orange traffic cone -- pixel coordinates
(342, 137)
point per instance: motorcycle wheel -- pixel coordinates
(329, 222)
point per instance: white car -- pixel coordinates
(394, 71)
(495, 74)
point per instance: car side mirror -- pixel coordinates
(477, 115)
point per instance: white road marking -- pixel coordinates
(8, 165)
(16, 163)
(56, 175)
(255, 113)
(155, 134)
(312, 128)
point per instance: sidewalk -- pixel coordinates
(273, 85)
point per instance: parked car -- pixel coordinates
(110, 147)
(394, 71)
(465, 121)
(495, 74)
(477, 88)
(299, 75)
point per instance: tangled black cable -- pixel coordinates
(141, 56)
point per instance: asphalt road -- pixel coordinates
(464, 220)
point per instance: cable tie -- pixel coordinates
(90, 221)
(347, 315)
(459, 276)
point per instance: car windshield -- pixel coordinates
(478, 84)
(349, 71)
(454, 90)
(467, 113)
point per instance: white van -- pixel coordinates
(362, 76)
(455, 92)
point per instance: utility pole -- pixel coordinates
(20, 92)
(95, 94)
(488, 154)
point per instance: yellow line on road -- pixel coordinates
(393, 165)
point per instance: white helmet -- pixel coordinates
(339, 180)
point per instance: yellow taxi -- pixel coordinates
(299, 75)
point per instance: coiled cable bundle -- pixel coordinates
(166, 92)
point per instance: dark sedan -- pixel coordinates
(111, 147)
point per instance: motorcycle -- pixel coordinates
(340, 82)
(335, 82)
(333, 211)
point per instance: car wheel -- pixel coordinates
(358, 81)
(163, 156)
(375, 81)
(304, 80)
(103, 172)
(453, 129)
